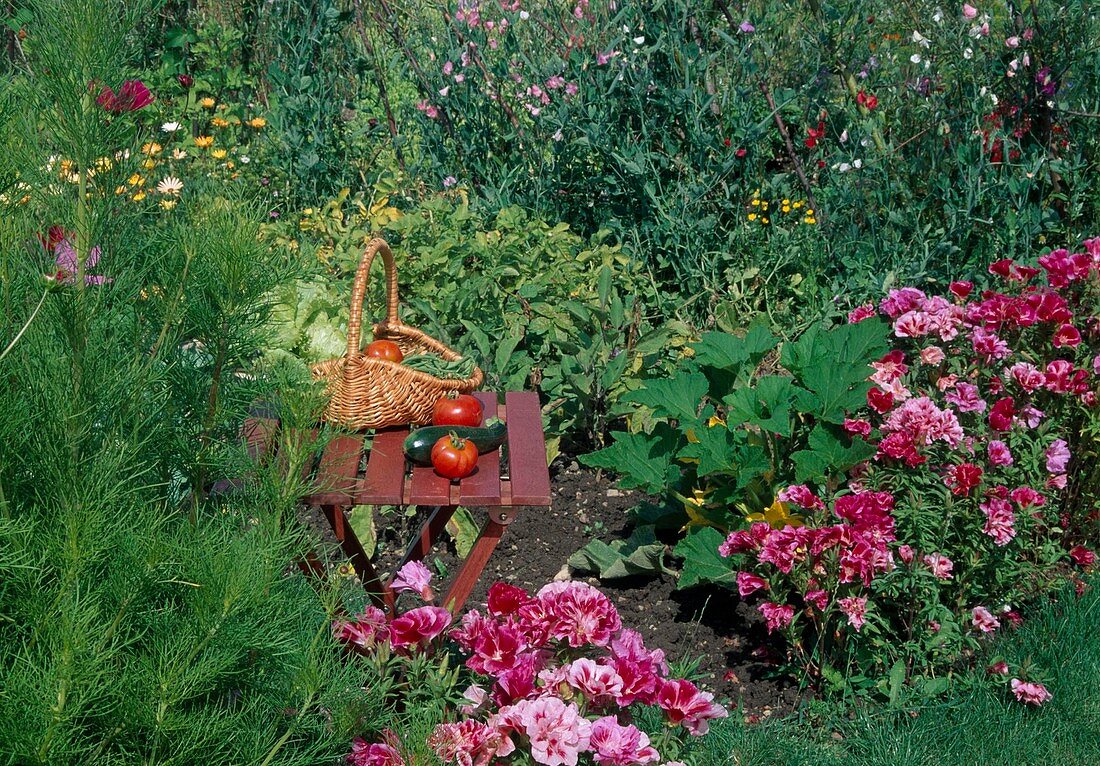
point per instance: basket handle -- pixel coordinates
(359, 291)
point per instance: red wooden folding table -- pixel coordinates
(352, 472)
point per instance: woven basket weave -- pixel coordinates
(376, 393)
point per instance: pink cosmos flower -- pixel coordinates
(594, 680)
(983, 619)
(417, 627)
(556, 731)
(1030, 693)
(684, 704)
(616, 745)
(748, 583)
(800, 495)
(776, 616)
(855, 607)
(1000, 521)
(66, 261)
(375, 754)
(940, 565)
(414, 577)
(131, 96)
(1057, 455)
(999, 454)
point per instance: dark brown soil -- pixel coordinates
(709, 625)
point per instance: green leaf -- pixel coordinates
(729, 352)
(702, 562)
(640, 554)
(677, 398)
(827, 455)
(641, 460)
(767, 404)
(714, 449)
(361, 521)
(897, 678)
(464, 531)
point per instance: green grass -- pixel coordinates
(981, 725)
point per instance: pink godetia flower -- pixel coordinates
(998, 669)
(1067, 336)
(802, 496)
(615, 745)
(925, 422)
(469, 742)
(855, 607)
(999, 453)
(685, 705)
(132, 95)
(880, 401)
(1026, 375)
(746, 27)
(963, 478)
(365, 630)
(1031, 416)
(1057, 455)
(748, 583)
(556, 731)
(417, 627)
(969, 11)
(1002, 415)
(577, 613)
(595, 681)
(906, 554)
(745, 540)
(1030, 693)
(1082, 556)
(429, 109)
(965, 396)
(476, 699)
(857, 427)
(940, 565)
(897, 302)
(989, 345)
(1063, 378)
(65, 261)
(414, 577)
(961, 289)
(859, 313)
(505, 599)
(1026, 497)
(776, 616)
(1000, 521)
(818, 598)
(639, 668)
(982, 619)
(365, 753)
(932, 355)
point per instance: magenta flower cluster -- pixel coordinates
(961, 507)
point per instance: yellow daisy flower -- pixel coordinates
(219, 122)
(218, 154)
(204, 142)
(207, 103)
(256, 122)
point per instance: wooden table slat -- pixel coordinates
(385, 475)
(258, 435)
(426, 487)
(336, 476)
(530, 478)
(483, 487)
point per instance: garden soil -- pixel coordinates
(713, 626)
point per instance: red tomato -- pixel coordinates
(464, 410)
(454, 458)
(385, 349)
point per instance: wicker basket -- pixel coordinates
(376, 393)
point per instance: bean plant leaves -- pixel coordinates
(702, 562)
(677, 398)
(641, 460)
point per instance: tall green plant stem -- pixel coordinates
(212, 398)
(26, 324)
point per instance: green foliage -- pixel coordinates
(639, 554)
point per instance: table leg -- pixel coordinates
(378, 591)
(421, 545)
(472, 567)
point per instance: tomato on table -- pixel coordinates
(463, 410)
(454, 458)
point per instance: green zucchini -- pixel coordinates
(418, 444)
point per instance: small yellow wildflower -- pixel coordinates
(256, 122)
(120, 190)
(67, 166)
(809, 220)
(149, 163)
(207, 103)
(204, 142)
(139, 196)
(220, 122)
(104, 163)
(755, 202)
(752, 216)
(764, 205)
(809, 211)
(218, 154)
(151, 148)
(797, 204)
(786, 202)
(168, 204)
(765, 221)
(136, 180)
(786, 208)
(230, 165)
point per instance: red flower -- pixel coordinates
(133, 95)
(741, 152)
(1082, 556)
(865, 100)
(726, 142)
(1000, 417)
(961, 289)
(879, 400)
(185, 80)
(1067, 335)
(963, 478)
(506, 599)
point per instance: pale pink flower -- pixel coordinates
(1027, 375)
(1057, 455)
(966, 398)
(365, 630)
(906, 554)
(469, 742)
(476, 698)
(1000, 521)
(940, 565)
(1030, 693)
(684, 704)
(932, 355)
(969, 11)
(616, 745)
(594, 680)
(982, 619)
(855, 607)
(556, 731)
(578, 613)
(414, 577)
(365, 753)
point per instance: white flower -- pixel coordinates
(639, 40)
(444, 91)
(524, 15)
(915, 58)
(245, 159)
(170, 127)
(857, 164)
(920, 39)
(170, 185)
(968, 53)
(937, 16)
(179, 154)
(844, 136)
(557, 135)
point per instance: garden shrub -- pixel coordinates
(891, 521)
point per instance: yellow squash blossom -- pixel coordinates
(693, 507)
(777, 515)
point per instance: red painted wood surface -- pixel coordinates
(530, 478)
(385, 476)
(258, 434)
(473, 566)
(336, 479)
(483, 487)
(426, 487)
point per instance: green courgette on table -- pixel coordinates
(418, 444)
